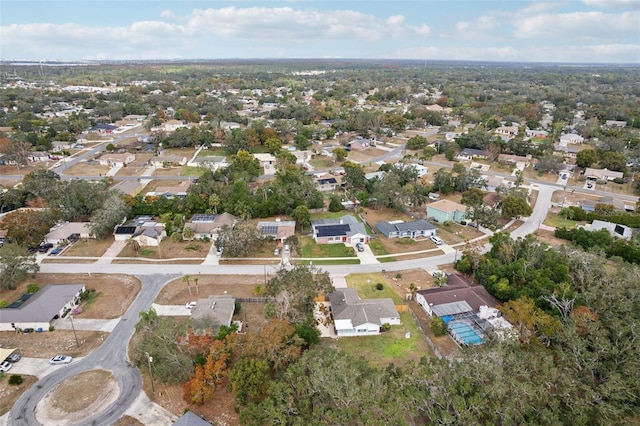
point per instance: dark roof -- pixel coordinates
(269, 229)
(105, 126)
(203, 218)
(332, 230)
(346, 304)
(125, 230)
(473, 151)
(326, 181)
(459, 288)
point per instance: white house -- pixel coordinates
(66, 231)
(353, 316)
(602, 174)
(40, 309)
(116, 159)
(571, 138)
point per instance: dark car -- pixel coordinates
(45, 247)
(56, 250)
(359, 247)
(32, 250)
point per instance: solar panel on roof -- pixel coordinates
(203, 218)
(269, 229)
(333, 230)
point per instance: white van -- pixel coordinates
(436, 240)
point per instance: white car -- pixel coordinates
(436, 240)
(60, 359)
(5, 366)
(190, 305)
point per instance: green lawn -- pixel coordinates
(309, 248)
(390, 347)
(365, 284)
(559, 221)
(377, 247)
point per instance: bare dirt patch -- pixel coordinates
(78, 398)
(9, 394)
(50, 343)
(169, 249)
(176, 292)
(128, 421)
(89, 247)
(86, 169)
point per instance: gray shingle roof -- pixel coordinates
(43, 305)
(345, 304)
(416, 225)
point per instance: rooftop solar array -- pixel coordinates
(270, 229)
(332, 230)
(203, 218)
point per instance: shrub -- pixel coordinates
(51, 328)
(3, 304)
(438, 326)
(15, 379)
(385, 327)
(379, 286)
(33, 288)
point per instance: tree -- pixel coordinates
(273, 145)
(187, 279)
(417, 142)
(27, 227)
(295, 291)
(613, 160)
(302, 216)
(443, 181)
(204, 380)
(239, 240)
(586, 158)
(43, 184)
(188, 232)
(249, 379)
(244, 165)
(15, 265)
(515, 207)
(340, 153)
(113, 211)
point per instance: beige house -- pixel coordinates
(116, 159)
(208, 225)
(602, 174)
(168, 161)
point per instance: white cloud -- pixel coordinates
(285, 22)
(481, 27)
(578, 25)
(634, 4)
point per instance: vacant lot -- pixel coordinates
(89, 248)
(87, 169)
(169, 249)
(9, 394)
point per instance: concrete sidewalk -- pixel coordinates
(150, 413)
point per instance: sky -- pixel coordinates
(587, 31)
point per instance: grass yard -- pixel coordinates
(309, 248)
(87, 169)
(390, 347)
(558, 221)
(170, 250)
(89, 248)
(365, 284)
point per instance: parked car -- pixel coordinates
(359, 247)
(14, 357)
(5, 366)
(276, 252)
(219, 250)
(55, 251)
(190, 305)
(60, 359)
(286, 248)
(45, 247)
(436, 240)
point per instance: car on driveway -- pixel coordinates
(436, 240)
(55, 251)
(60, 359)
(359, 247)
(14, 358)
(5, 366)
(190, 305)
(276, 252)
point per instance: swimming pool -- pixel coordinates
(464, 334)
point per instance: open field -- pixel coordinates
(87, 169)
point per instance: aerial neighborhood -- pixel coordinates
(341, 242)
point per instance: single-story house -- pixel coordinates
(602, 174)
(64, 232)
(615, 123)
(446, 211)
(279, 230)
(208, 225)
(566, 151)
(508, 131)
(172, 191)
(168, 160)
(143, 229)
(514, 159)
(621, 231)
(353, 316)
(540, 134)
(40, 309)
(39, 156)
(59, 146)
(220, 309)
(116, 159)
(458, 295)
(401, 229)
(360, 144)
(375, 175)
(172, 125)
(267, 161)
(325, 184)
(212, 162)
(103, 128)
(471, 153)
(346, 229)
(571, 138)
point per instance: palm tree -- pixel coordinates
(185, 279)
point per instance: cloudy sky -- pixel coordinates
(603, 31)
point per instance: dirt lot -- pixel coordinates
(92, 168)
(170, 249)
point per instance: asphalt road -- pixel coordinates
(111, 356)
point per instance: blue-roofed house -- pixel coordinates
(400, 229)
(346, 229)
